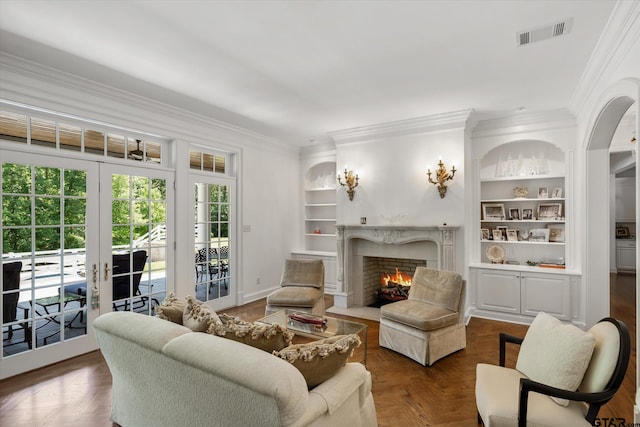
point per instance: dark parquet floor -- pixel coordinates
(77, 392)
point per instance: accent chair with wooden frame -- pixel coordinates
(508, 397)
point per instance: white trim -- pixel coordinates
(615, 44)
(427, 124)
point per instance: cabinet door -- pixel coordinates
(548, 293)
(626, 258)
(499, 291)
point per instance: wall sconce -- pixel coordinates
(442, 176)
(351, 182)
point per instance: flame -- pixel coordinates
(399, 278)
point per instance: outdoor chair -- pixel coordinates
(555, 362)
(429, 325)
(10, 282)
(301, 288)
(125, 284)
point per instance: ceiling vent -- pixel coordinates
(557, 29)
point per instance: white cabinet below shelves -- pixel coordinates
(626, 255)
(523, 292)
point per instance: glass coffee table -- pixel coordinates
(332, 328)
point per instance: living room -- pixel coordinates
(391, 151)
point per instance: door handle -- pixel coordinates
(95, 291)
(106, 271)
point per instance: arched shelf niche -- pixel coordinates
(522, 159)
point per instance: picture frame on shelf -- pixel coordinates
(539, 235)
(549, 210)
(512, 235)
(556, 233)
(497, 235)
(622, 232)
(485, 234)
(556, 193)
(543, 193)
(527, 214)
(503, 230)
(493, 211)
(515, 214)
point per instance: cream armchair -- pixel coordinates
(551, 364)
(430, 323)
(301, 288)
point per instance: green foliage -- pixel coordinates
(56, 203)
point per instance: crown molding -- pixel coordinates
(615, 43)
(524, 122)
(435, 123)
(29, 83)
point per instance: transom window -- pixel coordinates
(64, 134)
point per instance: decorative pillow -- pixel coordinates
(266, 337)
(555, 354)
(197, 316)
(319, 360)
(171, 309)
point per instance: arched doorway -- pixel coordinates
(615, 102)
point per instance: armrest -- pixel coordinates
(504, 339)
(527, 385)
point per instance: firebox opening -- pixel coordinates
(387, 280)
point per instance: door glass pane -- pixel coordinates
(139, 245)
(43, 252)
(212, 242)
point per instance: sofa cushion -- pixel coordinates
(295, 296)
(420, 315)
(320, 360)
(437, 287)
(259, 335)
(197, 316)
(171, 309)
(555, 354)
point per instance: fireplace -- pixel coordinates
(376, 269)
(432, 247)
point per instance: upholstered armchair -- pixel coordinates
(429, 325)
(301, 288)
(562, 376)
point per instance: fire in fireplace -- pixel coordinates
(394, 287)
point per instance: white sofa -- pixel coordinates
(166, 375)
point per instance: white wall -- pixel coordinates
(394, 189)
(271, 202)
(393, 180)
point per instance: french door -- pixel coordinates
(212, 209)
(78, 239)
(136, 239)
(49, 207)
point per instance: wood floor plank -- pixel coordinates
(77, 392)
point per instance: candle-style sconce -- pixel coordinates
(351, 182)
(442, 176)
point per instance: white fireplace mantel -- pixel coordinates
(442, 236)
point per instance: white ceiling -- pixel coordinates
(295, 70)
